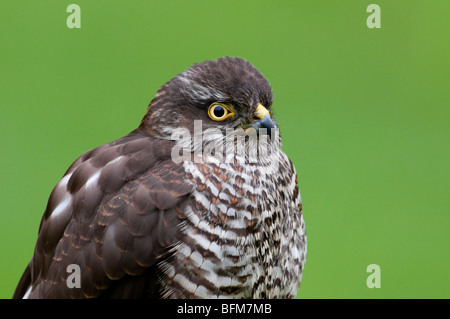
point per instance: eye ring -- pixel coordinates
(219, 112)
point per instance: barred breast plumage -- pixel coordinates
(244, 234)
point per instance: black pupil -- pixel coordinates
(219, 111)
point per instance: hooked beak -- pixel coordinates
(265, 121)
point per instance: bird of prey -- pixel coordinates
(152, 215)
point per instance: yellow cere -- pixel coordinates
(261, 111)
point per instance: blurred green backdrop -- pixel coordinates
(364, 114)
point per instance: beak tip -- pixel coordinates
(266, 123)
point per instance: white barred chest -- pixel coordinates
(234, 243)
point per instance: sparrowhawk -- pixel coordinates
(198, 202)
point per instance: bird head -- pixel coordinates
(224, 95)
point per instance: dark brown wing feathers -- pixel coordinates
(117, 226)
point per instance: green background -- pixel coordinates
(364, 114)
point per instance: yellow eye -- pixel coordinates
(219, 112)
